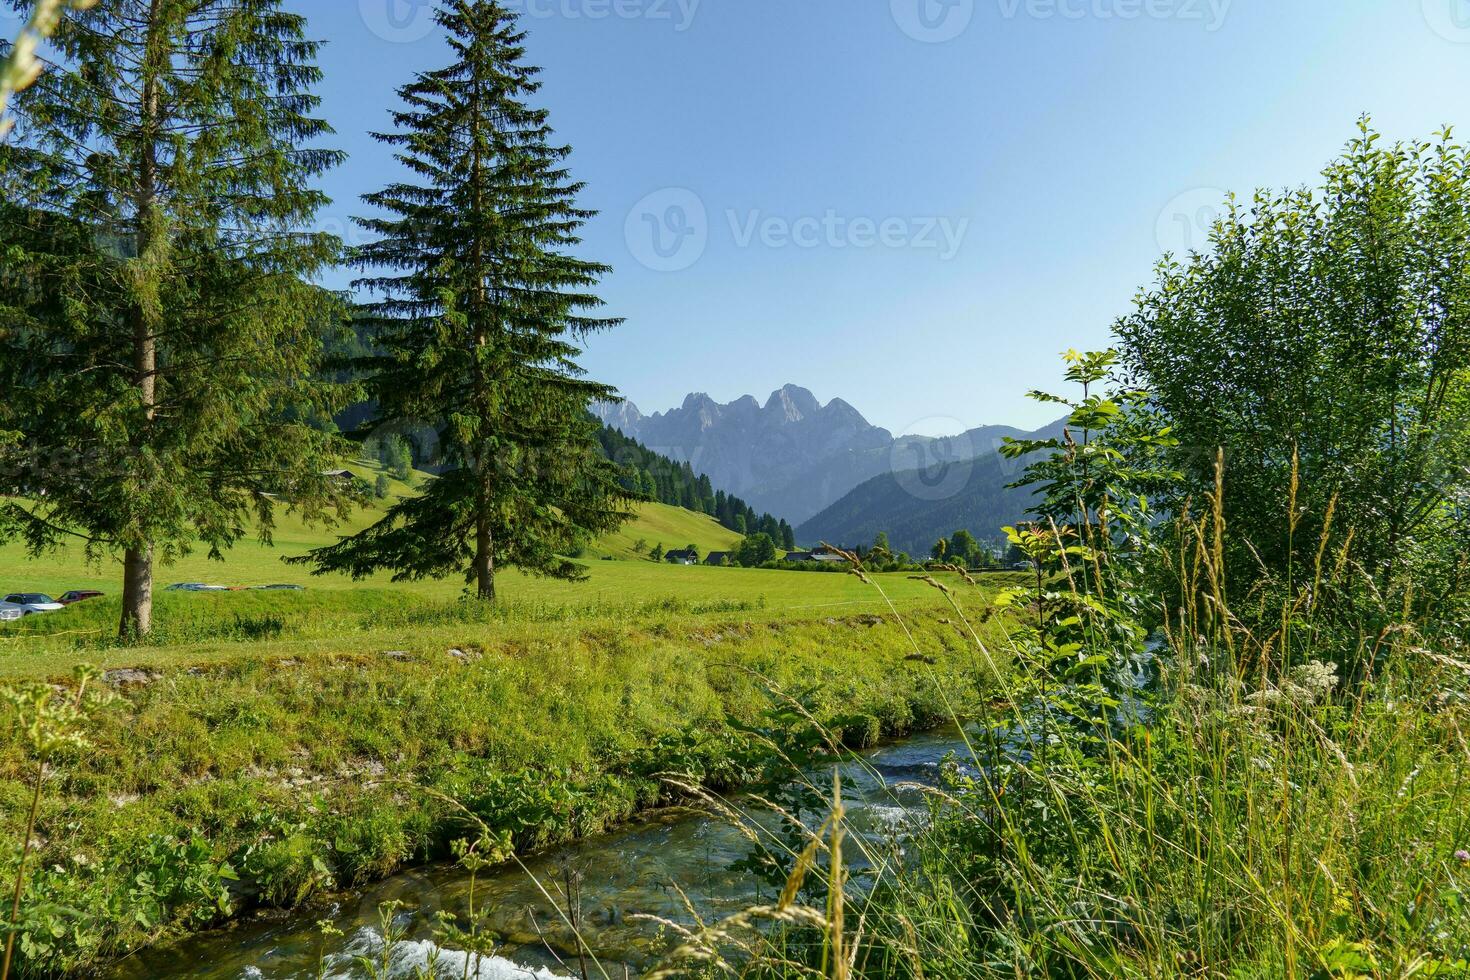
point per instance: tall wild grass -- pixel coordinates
(1281, 800)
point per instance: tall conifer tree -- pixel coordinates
(479, 306)
(156, 335)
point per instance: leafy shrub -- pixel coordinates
(370, 842)
(179, 879)
(287, 870)
(857, 731)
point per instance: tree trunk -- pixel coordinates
(484, 561)
(137, 603)
(137, 614)
(484, 538)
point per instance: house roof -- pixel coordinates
(813, 556)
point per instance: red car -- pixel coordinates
(77, 595)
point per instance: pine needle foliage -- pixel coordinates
(478, 308)
(157, 335)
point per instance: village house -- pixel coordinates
(817, 556)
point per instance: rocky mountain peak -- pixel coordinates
(696, 401)
(623, 416)
(793, 403)
(791, 455)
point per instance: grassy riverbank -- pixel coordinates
(239, 775)
(1280, 826)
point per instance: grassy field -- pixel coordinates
(251, 563)
(672, 527)
(338, 615)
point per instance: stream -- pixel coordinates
(650, 867)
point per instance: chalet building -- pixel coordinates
(682, 557)
(718, 558)
(820, 556)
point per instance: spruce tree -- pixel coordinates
(479, 306)
(157, 338)
(788, 536)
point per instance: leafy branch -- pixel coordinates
(22, 67)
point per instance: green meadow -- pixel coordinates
(335, 614)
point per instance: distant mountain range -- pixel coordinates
(918, 507)
(828, 470)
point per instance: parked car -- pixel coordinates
(196, 587)
(280, 588)
(77, 595)
(31, 603)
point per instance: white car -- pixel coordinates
(30, 603)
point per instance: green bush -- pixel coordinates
(369, 842)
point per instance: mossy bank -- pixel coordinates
(211, 790)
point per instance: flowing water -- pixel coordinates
(661, 866)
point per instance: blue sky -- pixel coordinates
(914, 205)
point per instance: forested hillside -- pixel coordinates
(919, 506)
(661, 479)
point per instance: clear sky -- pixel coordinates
(914, 205)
